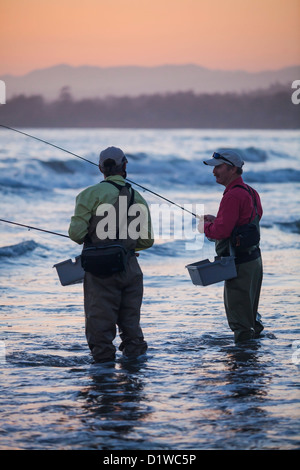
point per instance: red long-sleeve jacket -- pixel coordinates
(236, 208)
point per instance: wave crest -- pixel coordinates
(251, 154)
(19, 249)
(73, 173)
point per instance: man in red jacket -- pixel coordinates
(240, 205)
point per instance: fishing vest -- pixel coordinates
(120, 220)
(229, 246)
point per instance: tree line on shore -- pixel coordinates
(263, 109)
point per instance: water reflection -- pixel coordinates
(244, 396)
(115, 400)
(246, 371)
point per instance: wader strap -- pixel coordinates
(89, 240)
(252, 194)
(119, 187)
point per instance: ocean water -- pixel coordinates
(195, 389)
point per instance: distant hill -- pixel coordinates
(261, 109)
(98, 82)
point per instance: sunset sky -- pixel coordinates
(251, 35)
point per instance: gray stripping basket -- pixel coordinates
(205, 272)
(70, 272)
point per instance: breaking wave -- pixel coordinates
(285, 175)
(19, 249)
(293, 227)
(43, 175)
(251, 154)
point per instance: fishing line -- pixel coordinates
(93, 163)
(34, 228)
(48, 143)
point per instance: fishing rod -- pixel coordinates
(34, 228)
(93, 163)
(48, 143)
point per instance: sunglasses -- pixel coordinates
(218, 156)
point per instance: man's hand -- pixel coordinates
(209, 218)
(203, 220)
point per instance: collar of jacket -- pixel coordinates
(116, 179)
(238, 180)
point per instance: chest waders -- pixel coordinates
(114, 299)
(241, 295)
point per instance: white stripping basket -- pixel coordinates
(70, 272)
(204, 273)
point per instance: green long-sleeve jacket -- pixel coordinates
(87, 203)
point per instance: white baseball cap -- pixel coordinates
(228, 156)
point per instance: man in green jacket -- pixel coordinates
(113, 300)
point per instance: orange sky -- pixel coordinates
(251, 35)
